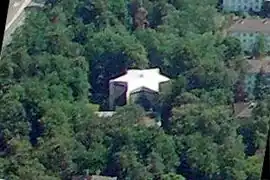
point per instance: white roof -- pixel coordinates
(147, 78)
(104, 114)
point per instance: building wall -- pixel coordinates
(165, 87)
(242, 5)
(117, 95)
(144, 98)
(249, 40)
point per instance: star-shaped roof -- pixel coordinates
(137, 79)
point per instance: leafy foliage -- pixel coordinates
(54, 76)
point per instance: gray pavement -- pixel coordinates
(14, 6)
(15, 17)
(8, 33)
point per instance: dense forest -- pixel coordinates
(54, 75)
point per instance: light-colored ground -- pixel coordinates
(16, 7)
(8, 33)
(15, 17)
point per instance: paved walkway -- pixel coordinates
(15, 8)
(15, 17)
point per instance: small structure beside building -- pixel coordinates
(149, 120)
(137, 86)
(249, 30)
(93, 177)
(105, 114)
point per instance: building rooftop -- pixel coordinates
(105, 114)
(137, 79)
(251, 25)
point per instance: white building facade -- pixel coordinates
(248, 32)
(136, 84)
(242, 5)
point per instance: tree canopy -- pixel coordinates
(54, 75)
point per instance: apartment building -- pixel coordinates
(248, 32)
(242, 5)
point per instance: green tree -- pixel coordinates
(261, 89)
(172, 176)
(202, 134)
(23, 163)
(60, 62)
(253, 167)
(233, 47)
(260, 47)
